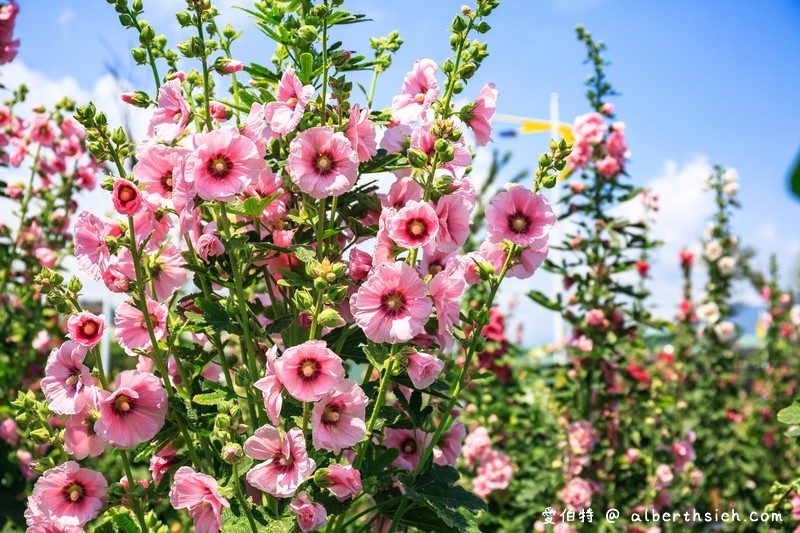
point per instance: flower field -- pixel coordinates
(289, 311)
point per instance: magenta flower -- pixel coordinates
(420, 90)
(576, 495)
(410, 442)
(309, 371)
(170, 119)
(345, 481)
(481, 114)
(285, 113)
(337, 420)
(68, 495)
(199, 494)
(361, 132)
(521, 216)
(271, 387)
(392, 305)
(131, 329)
(286, 464)
(322, 162)
(91, 249)
(67, 379)
(423, 369)
(134, 412)
(85, 328)
(415, 225)
(223, 164)
(310, 516)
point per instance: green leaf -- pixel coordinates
(304, 254)
(791, 414)
(306, 66)
(211, 398)
(543, 300)
(376, 355)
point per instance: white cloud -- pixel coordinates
(65, 18)
(767, 232)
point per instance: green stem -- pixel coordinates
(325, 68)
(204, 63)
(379, 401)
(372, 88)
(242, 500)
(134, 502)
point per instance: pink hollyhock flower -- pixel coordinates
(394, 137)
(582, 437)
(448, 450)
(131, 329)
(155, 169)
(414, 226)
(232, 66)
(596, 318)
(423, 140)
(494, 474)
(617, 145)
(322, 162)
(170, 119)
(218, 111)
(337, 420)
(126, 197)
(795, 503)
(577, 494)
(134, 412)
(401, 192)
(86, 328)
(167, 271)
(285, 113)
(46, 256)
(521, 216)
(664, 474)
(608, 167)
(67, 494)
(420, 90)
(223, 164)
(423, 369)
(309, 371)
(310, 516)
(481, 113)
(8, 432)
(161, 462)
(91, 249)
(42, 130)
(590, 128)
(361, 132)
(447, 290)
(271, 387)
(392, 305)
(286, 464)
(116, 278)
(684, 454)
(66, 379)
(41, 342)
(209, 245)
(454, 223)
(477, 446)
(583, 344)
(199, 494)
(632, 455)
(410, 443)
(358, 265)
(79, 437)
(345, 481)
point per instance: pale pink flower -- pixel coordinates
(345, 481)
(286, 464)
(447, 290)
(68, 495)
(632, 454)
(271, 387)
(337, 420)
(131, 329)
(423, 369)
(596, 318)
(309, 371)
(116, 278)
(155, 169)
(67, 379)
(394, 137)
(582, 437)
(285, 113)
(91, 249)
(577, 494)
(664, 474)
(8, 432)
(223, 164)
(494, 473)
(161, 462)
(209, 245)
(453, 212)
(42, 130)
(361, 132)
(167, 271)
(481, 113)
(521, 216)
(448, 450)
(310, 516)
(358, 265)
(199, 494)
(420, 90)
(80, 438)
(582, 344)
(45, 255)
(608, 167)
(402, 191)
(477, 446)
(170, 119)
(410, 442)
(392, 305)
(684, 454)
(415, 225)
(232, 66)
(41, 342)
(590, 128)
(85, 328)
(322, 162)
(134, 412)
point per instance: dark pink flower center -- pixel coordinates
(419, 98)
(408, 446)
(88, 329)
(122, 404)
(220, 166)
(324, 163)
(332, 414)
(417, 228)
(308, 369)
(519, 223)
(166, 181)
(126, 194)
(393, 303)
(292, 102)
(282, 460)
(73, 492)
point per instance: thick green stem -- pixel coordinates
(137, 510)
(241, 498)
(379, 401)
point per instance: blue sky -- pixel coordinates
(700, 83)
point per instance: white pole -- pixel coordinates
(555, 197)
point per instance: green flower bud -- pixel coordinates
(139, 55)
(417, 158)
(232, 453)
(307, 33)
(330, 318)
(40, 435)
(74, 285)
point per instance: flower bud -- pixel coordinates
(74, 285)
(232, 453)
(307, 33)
(417, 158)
(40, 435)
(329, 318)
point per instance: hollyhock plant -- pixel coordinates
(134, 412)
(361, 132)
(67, 381)
(337, 420)
(413, 226)
(480, 115)
(286, 464)
(285, 113)
(132, 329)
(198, 493)
(420, 90)
(271, 387)
(172, 116)
(322, 162)
(309, 371)
(67, 494)
(520, 216)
